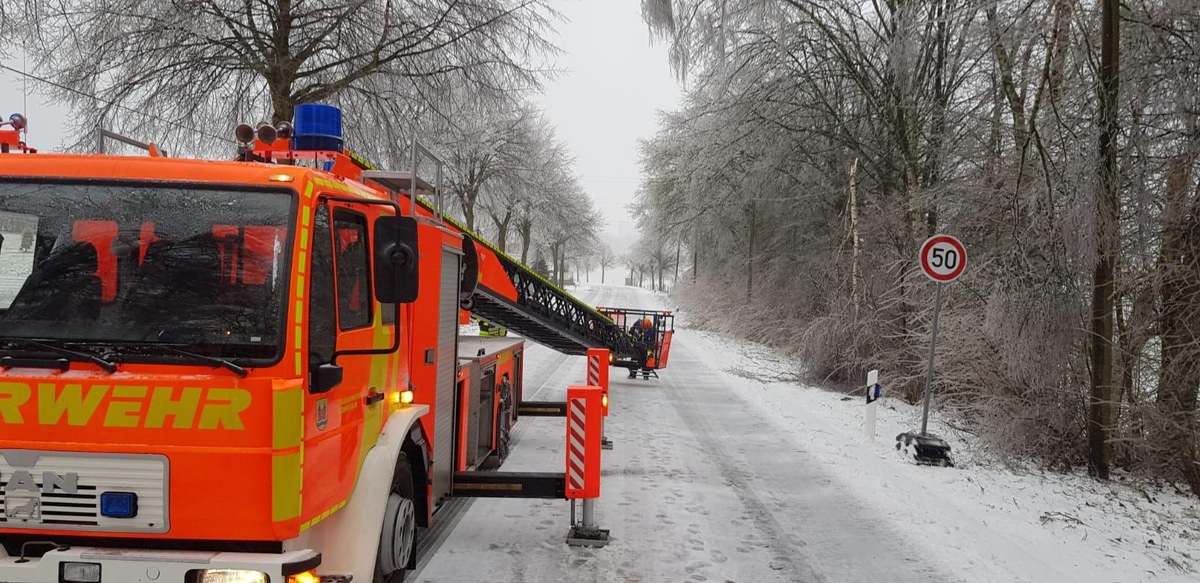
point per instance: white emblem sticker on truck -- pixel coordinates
(23, 507)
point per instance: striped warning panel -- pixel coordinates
(593, 370)
(575, 436)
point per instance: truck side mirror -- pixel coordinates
(324, 378)
(396, 273)
(470, 274)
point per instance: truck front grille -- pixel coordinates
(61, 491)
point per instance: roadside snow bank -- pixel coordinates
(981, 518)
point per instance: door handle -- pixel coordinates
(373, 396)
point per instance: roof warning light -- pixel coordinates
(317, 127)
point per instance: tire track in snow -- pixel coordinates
(813, 527)
(705, 432)
(700, 488)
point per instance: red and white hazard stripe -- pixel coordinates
(575, 419)
(593, 371)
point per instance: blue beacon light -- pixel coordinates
(317, 127)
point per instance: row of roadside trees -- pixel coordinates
(821, 140)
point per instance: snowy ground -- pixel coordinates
(728, 469)
(15, 265)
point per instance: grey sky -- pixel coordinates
(46, 126)
(612, 85)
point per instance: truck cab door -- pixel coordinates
(343, 315)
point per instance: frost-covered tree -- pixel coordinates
(822, 140)
(212, 63)
(605, 258)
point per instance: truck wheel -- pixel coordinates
(398, 538)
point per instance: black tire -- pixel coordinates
(386, 571)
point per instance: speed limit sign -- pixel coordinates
(943, 258)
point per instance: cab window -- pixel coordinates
(322, 316)
(353, 270)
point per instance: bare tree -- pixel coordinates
(538, 168)
(211, 63)
(605, 258)
(571, 222)
(486, 143)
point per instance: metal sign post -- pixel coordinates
(943, 259)
(937, 310)
(874, 391)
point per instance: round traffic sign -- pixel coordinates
(943, 258)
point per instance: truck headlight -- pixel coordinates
(231, 576)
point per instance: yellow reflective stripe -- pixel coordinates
(286, 481)
(299, 283)
(322, 516)
(373, 415)
(306, 240)
(289, 417)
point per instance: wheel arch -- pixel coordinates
(339, 537)
(416, 449)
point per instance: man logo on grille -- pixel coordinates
(24, 480)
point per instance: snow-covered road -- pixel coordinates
(700, 487)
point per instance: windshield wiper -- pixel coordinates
(75, 355)
(213, 360)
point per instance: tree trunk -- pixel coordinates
(525, 228)
(283, 109)
(1016, 103)
(1104, 276)
(557, 275)
(1059, 40)
(502, 230)
(678, 245)
(695, 254)
(855, 274)
(750, 257)
(468, 208)
(1179, 315)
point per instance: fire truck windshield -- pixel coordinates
(197, 267)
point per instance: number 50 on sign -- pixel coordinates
(943, 258)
